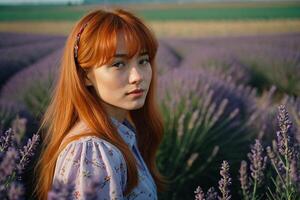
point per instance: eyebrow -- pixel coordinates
(125, 55)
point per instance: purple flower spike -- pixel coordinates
(199, 194)
(5, 140)
(28, 151)
(284, 136)
(8, 163)
(258, 162)
(211, 194)
(244, 180)
(225, 181)
(16, 191)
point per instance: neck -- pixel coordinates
(115, 112)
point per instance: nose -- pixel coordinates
(135, 76)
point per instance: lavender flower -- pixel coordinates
(244, 180)
(5, 140)
(199, 194)
(293, 104)
(211, 194)
(28, 151)
(258, 162)
(61, 191)
(225, 182)
(13, 161)
(16, 191)
(284, 137)
(8, 163)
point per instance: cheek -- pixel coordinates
(109, 86)
(148, 75)
(110, 81)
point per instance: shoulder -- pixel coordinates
(92, 158)
(92, 147)
(89, 145)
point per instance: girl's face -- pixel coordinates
(114, 81)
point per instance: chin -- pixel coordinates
(136, 105)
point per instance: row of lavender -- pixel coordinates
(210, 105)
(271, 172)
(215, 106)
(259, 61)
(18, 51)
(283, 160)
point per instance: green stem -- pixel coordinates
(275, 167)
(10, 179)
(245, 195)
(254, 190)
(287, 191)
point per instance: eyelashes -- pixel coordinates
(121, 64)
(145, 60)
(117, 64)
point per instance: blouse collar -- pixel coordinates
(126, 131)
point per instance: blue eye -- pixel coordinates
(144, 61)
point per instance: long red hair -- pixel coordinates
(73, 101)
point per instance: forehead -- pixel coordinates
(121, 44)
(128, 46)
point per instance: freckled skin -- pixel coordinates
(112, 82)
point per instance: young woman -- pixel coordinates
(103, 123)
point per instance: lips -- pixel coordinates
(136, 91)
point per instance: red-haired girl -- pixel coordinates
(103, 121)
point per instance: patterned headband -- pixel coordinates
(77, 42)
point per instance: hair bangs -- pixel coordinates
(105, 44)
(137, 37)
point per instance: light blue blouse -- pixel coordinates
(92, 158)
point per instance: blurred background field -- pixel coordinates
(166, 19)
(224, 67)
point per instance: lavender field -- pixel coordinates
(219, 98)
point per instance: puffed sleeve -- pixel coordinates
(92, 159)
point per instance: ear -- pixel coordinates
(87, 81)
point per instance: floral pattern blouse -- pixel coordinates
(91, 158)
